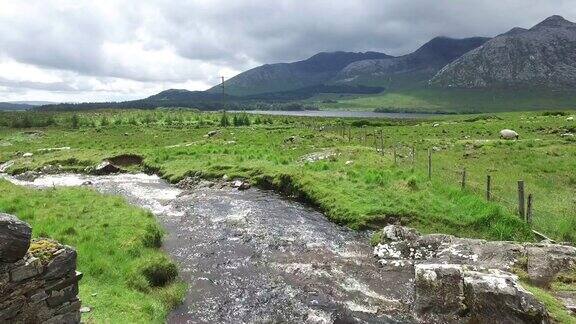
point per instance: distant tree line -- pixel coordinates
(200, 105)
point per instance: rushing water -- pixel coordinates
(341, 114)
(253, 256)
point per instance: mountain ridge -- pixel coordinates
(417, 66)
(315, 70)
(542, 56)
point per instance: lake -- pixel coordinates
(342, 114)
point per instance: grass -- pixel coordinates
(557, 311)
(368, 191)
(455, 100)
(356, 185)
(127, 279)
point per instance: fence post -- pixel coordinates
(521, 210)
(529, 210)
(463, 179)
(429, 164)
(488, 187)
(381, 143)
(349, 134)
(394, 151)
(413, 153)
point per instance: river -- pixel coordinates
(253, 256)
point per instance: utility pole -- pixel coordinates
(223, 92)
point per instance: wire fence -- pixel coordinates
(513, 197)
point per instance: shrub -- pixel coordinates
(412, 183)
(159, 271)
(153, 236)
(554, 113)
(224, 120)
(75, 121)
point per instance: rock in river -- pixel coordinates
(106, 168)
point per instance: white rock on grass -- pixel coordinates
(509, 134)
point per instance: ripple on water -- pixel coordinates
(252, 256)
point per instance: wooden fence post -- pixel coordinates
(529, 210)
(413, 153)
(381, 143)
(463, 183)
(488, 187)
(394, 152)
(429, 164)
(349, 134)
(521, 204)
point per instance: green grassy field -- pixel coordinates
(355, 185)
(118, 250)
(453, 100)
(369, 190)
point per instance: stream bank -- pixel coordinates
(253, 256)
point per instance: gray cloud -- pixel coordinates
(161, 41)
(49, 86)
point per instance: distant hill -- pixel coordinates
(520, 69)
(410, 70)
(34, 103)
(281, 77)
(543, 56)
(186, 95)
(14, 106)
(348, 68)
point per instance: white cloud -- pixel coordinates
(113, 50)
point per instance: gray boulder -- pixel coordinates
(28, 176)
(240, 185)
(496, 297)
(545, 261)
(14, 238)
(105, 168)
(212, 133)
(450, 293)
(540, 261)
(439, 292)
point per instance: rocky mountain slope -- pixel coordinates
(280, 77)
(543, 56)
(347, 68)
(412, 68)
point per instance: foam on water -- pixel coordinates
(252, 256)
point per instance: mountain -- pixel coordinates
(543, 56)
(14, 106)
(34, 103)
(411, 69)
(280, 77)
(186, 95)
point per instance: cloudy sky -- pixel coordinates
(84, 50)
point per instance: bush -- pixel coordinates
(153, 236)
(554, 113)
(159, 271)
(75, 122)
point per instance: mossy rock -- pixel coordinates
(43, 249)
